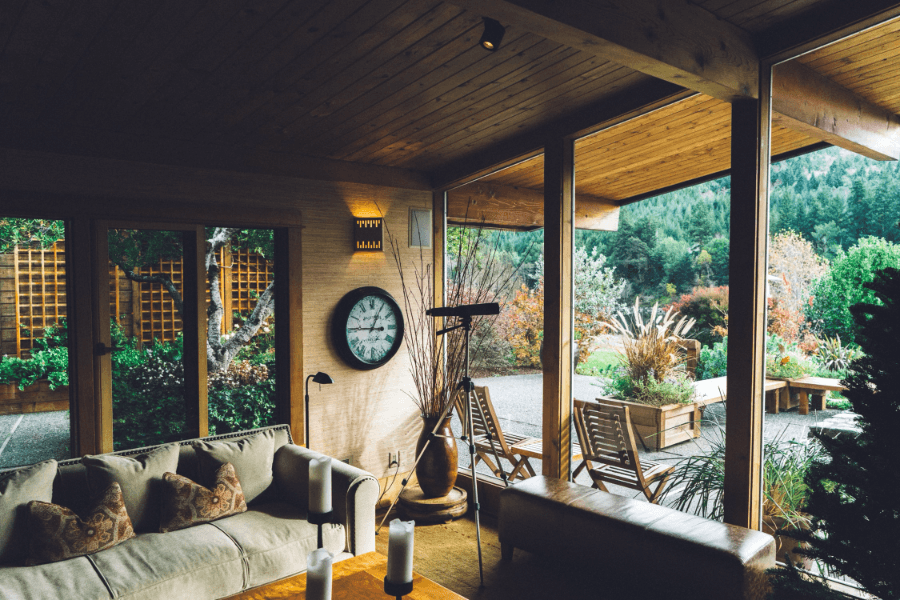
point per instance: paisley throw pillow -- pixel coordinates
(59, 534)
(186, 503)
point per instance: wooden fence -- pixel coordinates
(33, 295)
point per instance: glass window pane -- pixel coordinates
(146, 271)
(34, 393)
(240, 282)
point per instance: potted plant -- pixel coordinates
(651, 379)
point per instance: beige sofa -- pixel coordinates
(214, 560)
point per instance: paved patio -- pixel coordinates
(33, 437)
(517, 401)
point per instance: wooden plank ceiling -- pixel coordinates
(396, 84)
(681, 142)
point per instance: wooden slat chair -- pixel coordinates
(605, 433)
(507, 445)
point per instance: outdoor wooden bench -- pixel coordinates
(806, 387)
(621, 538)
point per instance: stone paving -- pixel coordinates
(517, 400)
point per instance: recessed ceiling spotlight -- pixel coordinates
(493, 34)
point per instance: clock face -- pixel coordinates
(367, 328)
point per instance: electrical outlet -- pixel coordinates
(394, 459)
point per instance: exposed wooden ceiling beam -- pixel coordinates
(673, 40)
(636, 101)
(510, 207)
(806, 101)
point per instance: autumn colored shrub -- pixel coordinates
(708, 306)
(521, 324)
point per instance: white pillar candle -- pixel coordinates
(318, 575)
(400, 551)
(320, 485)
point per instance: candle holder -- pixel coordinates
(320, 519)
(398, 590)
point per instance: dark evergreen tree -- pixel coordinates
(682, 275)
(853, 495)
(702, 227)
(718, 249)
(858, 209)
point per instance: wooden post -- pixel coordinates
(438, 240)
(559, 217)
(99, 294)
(196, 407)
(83, 409)
(289, 403)
(750, 139)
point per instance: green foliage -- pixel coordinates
(49, 360)
(713, 360)
(844, 286)
(835, 356)
(853, 493)
(243, 407)
(135, 248)
(675, 389)
(29, 231)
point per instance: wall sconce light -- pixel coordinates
(368, 235)
(493, 34)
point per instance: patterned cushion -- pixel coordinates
(59, 534)
(251, 456)
(186, 503)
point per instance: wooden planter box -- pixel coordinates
(37, 397)
(663, 426)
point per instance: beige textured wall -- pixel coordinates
(364, 414)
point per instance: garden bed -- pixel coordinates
(663, 426)
(37, 397)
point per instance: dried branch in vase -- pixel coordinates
(476, 274)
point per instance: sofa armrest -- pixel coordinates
(354, 493)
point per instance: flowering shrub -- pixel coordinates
(708, 306)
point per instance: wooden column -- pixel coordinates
(85, 432)
(438, 239)
(289, 406)
(99, 295)
(196, 408)
(559, 218)
(750, 140)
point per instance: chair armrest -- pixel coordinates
(354, 493)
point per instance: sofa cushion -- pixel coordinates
(75, 578)
(57, 533)
(186, 503)
(251, 456)
(191, 564)
(275, 539)
(16, 491)
(140, 478)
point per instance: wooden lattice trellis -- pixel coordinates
(33, 295)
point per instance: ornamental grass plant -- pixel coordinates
(651, 369)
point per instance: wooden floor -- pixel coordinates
(448, 555)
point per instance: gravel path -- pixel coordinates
(33, 437)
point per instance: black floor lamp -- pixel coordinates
(319, 377)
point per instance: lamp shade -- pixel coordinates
(321, 377)
(493, 35)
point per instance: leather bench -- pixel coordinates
(619, 538)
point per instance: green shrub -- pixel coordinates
(675, 389)
(713, 361)
(49, 360)
(842, 286)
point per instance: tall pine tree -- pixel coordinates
(853, 496)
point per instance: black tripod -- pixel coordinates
(464, 313)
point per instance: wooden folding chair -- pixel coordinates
(605, 433)
(515, 448)
(507, 445)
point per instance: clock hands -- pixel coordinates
(365, 329)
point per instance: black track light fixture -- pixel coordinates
(493, 34)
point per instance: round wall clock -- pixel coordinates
(367, 328)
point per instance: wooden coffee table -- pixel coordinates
(357, 578)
